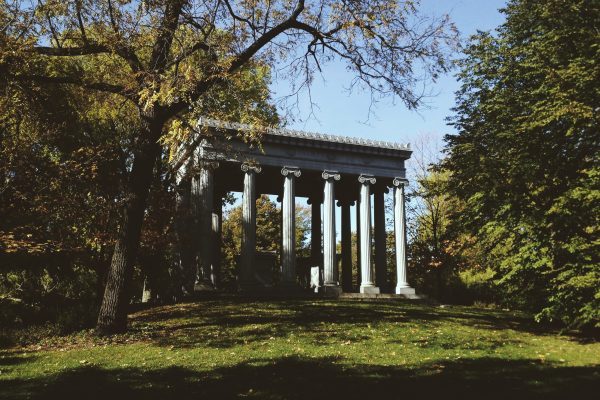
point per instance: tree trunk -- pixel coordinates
(113, 311)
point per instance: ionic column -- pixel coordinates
(380, 240)
(217, 221)
(330, 280)
(402, 286)
(358, 274)
(203, 191)
(288, 252)
(346, 246)
(246, 276)
(366, 285)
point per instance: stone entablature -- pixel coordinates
(310, 151)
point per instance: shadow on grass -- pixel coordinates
(320, 378)
(7, 360)
(215, 323)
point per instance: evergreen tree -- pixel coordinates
(526, 157)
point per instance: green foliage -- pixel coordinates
(433, 264)
(61, 158)
(526, 161)
(479, 285)
(65, 153)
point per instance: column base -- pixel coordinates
(370, 289)
(333, 290)
(203, 286)
(405, 290)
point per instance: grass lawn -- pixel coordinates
(308, 349)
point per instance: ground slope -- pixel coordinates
(308, 349)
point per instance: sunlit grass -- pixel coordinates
(297, 349)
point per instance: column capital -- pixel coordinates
(367, 179)
(247, 167)
(194, 169)
(295, 171)
(400, 182)
(331, 175)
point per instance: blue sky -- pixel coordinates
(337, 112)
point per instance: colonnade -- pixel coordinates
(203, 188)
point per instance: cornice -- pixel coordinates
(291, 133)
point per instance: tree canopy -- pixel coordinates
(525, 161)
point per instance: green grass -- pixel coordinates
(308, 349)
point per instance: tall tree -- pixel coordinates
(165, 56)
(64, 154)
(526, 157)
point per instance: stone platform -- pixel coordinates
(299, 294)
(381, 296)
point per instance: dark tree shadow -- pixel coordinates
(323, 378)
(8, 359)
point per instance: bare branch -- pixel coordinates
(238, 18)
(240, 60)
(80, 21)
(166, 32)
(186, 53)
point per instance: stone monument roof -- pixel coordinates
(214, 123)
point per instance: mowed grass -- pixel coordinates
(231, 348)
